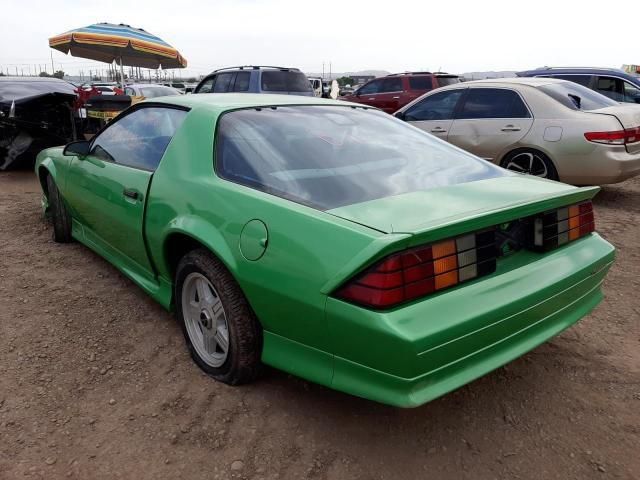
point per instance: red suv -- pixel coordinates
(394, 91)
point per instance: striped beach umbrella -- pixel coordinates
(107, 42)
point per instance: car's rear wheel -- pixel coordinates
(222, 333)
(59, 214)
(531, 162)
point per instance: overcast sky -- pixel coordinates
(455, 36)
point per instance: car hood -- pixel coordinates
(422, 211)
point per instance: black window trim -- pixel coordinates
(463, 101)
(127, 112)
(203, 81)
(379, 80)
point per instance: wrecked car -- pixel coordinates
(35, 113)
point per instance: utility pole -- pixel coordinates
(53, 70)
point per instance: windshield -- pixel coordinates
(277, 81)
(159, 91)
(576, 97)
(331, 156)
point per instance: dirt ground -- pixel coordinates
(95, 383)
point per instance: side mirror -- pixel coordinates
(637, 99)
(78, 148)
(400, 115)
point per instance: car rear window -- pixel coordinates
(159, 91)
(278, 81)
(576, 97)
(450, 80)
(330, 156)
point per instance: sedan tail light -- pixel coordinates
(552, 229)
(618, 137)
(416, 272)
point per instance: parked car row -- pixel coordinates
(546, 127)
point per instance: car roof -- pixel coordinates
(146, 85)
(579, 71)
(517, 81)
(551, 70)
(231, 101)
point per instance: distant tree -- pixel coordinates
(1, 74)
(342, 81)
(58, 74)
(95, 78)
(191, 80)
(44, 74)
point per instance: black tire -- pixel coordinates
(59, 214)
(542, 165)
(242, 364)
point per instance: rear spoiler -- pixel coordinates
(454, 226)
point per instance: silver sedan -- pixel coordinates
(550, 128)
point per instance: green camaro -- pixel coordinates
(329, 240)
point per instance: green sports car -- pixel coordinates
(329, 240)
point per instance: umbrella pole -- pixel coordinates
(121, 73)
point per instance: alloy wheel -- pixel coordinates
(529, 163)
(205, 319)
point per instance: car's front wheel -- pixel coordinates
(531, 162)
(222, 333)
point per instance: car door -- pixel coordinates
(108, 187)
(490, 121)
(611, 87)
(206, 86)
(631, 92)
(368, 93)
(390, 95)
(434, 113)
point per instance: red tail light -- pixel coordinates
(619, 137)
(552, 229)
(414, 273)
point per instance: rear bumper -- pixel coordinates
(606, 164)
(415, 354)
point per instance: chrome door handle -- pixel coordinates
(395, 98)
(510, 128)
(438, 130)
(372, 98)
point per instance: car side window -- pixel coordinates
(439, 106)
(611, 87)
(393, 84)
(483, 103)
(129, 91)
(584, 80)
(631, 93)
(370, 88)
(207, 85)
(420, 83)
(242, 82)
(223, 82)
(140, 138)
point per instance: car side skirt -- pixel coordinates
(159, 289)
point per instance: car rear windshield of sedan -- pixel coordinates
(577, 97)
(278, 81)
(330, 156)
